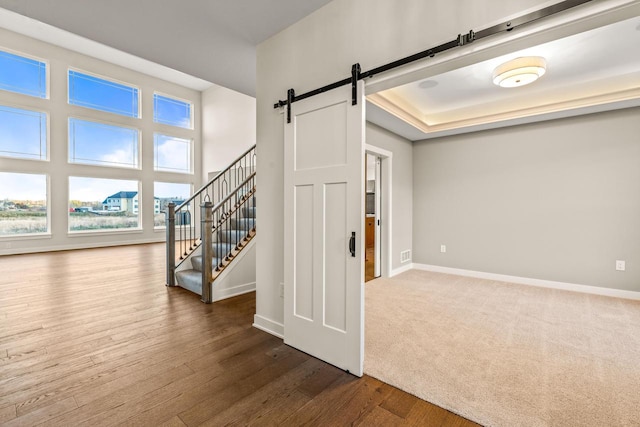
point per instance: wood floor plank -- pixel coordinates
(157, 406)
(381, 417)
(277, 411)
(173, 422)
(7, 413)
(95, 338)
(332, 396)
(237, 390)
(399, 403)
(369, 394)
(272, 394)
(427, 415)
(320, 380)
(44, 414)
(100, 410)
(16, 387)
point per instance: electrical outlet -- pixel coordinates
(281, 290)
(443, 248)
(620, 265)
(405, 256)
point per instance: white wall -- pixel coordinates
(228, 127)
(557, 200)
(59, 170)
(320, 49)
(239, 277)
(228, 130)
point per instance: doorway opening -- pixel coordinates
(377, 220)
(373, 205)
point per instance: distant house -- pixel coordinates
(126, 201)
(122, 201)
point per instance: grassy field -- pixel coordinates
(81, 221)
(21, 222)
(25, 222)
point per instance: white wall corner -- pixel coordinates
(269, 326)
(402, 269)
(595, 290)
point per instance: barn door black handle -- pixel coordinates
(352, 244)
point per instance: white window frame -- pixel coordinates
(47, 77)
(109, 79)
(177, 98)
(107, 123)
(47, 132)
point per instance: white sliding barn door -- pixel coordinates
(324, 205)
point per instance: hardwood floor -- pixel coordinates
(369, 264)
(94, 338)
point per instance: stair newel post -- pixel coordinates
(206, 229)
(170, 222)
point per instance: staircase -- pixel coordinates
(227, 244)
(204, 240)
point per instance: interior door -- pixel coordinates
(324, 211)
(377, 266)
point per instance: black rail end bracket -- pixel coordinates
(291, 94)
(355, 76)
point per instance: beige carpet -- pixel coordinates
(505, 354)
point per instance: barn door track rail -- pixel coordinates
(461, 40)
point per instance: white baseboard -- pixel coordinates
(267, 325)
(402, 269)
(220, 294)
(91, 245)
(595, 290)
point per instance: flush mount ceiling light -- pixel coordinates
(427, 84)
(519, 71)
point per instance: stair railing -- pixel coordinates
(183, 234)
(226, 217)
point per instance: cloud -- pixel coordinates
(120, 157)
(23, 186)
(173, 154)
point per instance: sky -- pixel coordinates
(23, 133)
(97, 189)
(21, 186)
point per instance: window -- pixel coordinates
(23, 133)
(104, 95)
(23, 75)
(171, 154)
(102, 204)
(108, 163)
(23, 204)
(165, 193)
(170, 111)
(95, 143)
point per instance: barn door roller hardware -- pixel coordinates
(461, 40)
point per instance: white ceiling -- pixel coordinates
(214, 40)
(596, 67)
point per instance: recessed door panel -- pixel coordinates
(317, 144)
(303, 253)
(335, 256)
